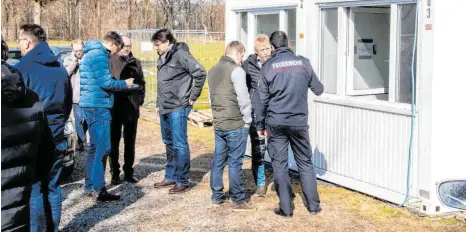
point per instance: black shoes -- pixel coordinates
(116, 180)
(105, 196)
(280, 212)
(131, 179)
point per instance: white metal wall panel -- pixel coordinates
(366, 145)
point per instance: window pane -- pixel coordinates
(266, 24)
(329, 44)
(406, 22)
(371, 50)
(243, 31)
(292, 28)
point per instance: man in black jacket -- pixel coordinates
(180, 79)
(252, 67)
(125, 111)
(283, 118)
(27, 144)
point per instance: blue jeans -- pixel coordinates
(38, 201)
(79, 123)
(98, 120)
(229, 146)
(174, 126)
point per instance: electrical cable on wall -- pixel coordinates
(413, 106)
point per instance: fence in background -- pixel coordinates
(206, 47)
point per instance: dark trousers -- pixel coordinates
(130, 126)
(298, 138)
(257, 153)
(80, 124)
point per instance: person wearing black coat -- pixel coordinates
(125, 111)
(27, 143)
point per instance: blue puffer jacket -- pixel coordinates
(44, 75)
(96, 81)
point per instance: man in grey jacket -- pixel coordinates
(71, 64)
(180, 79)
(231, 108)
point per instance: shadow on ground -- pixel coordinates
(130, 193)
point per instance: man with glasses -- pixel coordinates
(125, 111)
(96, 100)
(71, 64)
(44, 75)
(252, 66)
(179, 84)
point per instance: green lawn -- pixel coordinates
(207, 54)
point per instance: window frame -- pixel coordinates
(252, 21)
(345, 60)
(351, 57)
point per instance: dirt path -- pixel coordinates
(144, 208)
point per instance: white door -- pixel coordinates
(370, 40)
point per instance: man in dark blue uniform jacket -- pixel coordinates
(283, 118)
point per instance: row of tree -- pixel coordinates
(69, 19)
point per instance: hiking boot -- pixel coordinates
(280, 212)
(131, 179)
(164, 184)
(243, 207)
(261, 191)
(105, 196)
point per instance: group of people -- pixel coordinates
(97, 82)
(276, 108)
(264, 96)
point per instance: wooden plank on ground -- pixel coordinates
(199, 120)
(207, 113)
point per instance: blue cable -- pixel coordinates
(413, 106)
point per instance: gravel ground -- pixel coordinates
(144, 208)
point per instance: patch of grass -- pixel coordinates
(379, 212)
(204, 136)
(207, 55)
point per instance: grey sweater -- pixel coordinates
(71, 64)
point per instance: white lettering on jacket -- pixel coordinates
(287, 64)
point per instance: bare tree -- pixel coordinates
(67, 19)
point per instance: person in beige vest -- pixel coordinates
(231, 108)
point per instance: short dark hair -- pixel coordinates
(4, 50)
(163, 35)
(36, 32)
(114, 37)
(279, 39)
